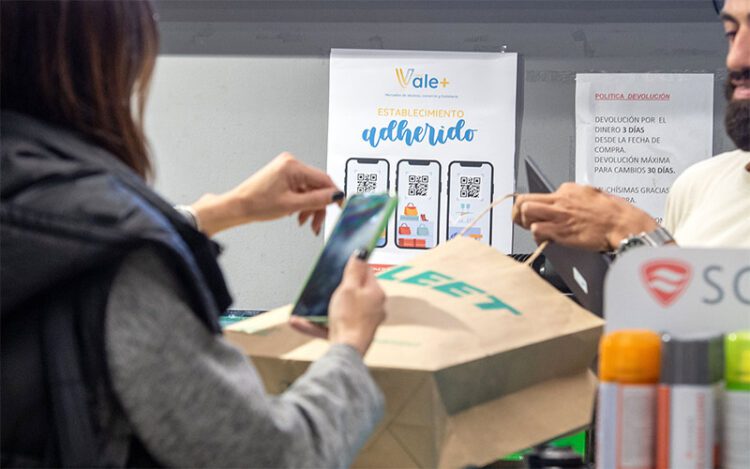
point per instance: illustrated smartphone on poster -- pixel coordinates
(368, 176)
(417, 215)
(470, 188)
(362, 220)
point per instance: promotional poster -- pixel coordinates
(636, 132)
(436, 129)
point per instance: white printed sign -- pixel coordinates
(636, 132)
(679, 290)
(435, 128)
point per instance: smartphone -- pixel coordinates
(470, 188)
(367, 176)
(417, 215)
(362, 220)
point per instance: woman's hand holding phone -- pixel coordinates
(357, 308)
(282, 187)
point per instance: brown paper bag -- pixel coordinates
(478, 357)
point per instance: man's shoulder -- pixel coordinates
(711, 169)
(719, 163)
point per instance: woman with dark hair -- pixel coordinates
(112, 353)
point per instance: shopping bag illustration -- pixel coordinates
(404, 229)
(423, 231)
(411, 210)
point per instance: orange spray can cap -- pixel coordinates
(630, 356)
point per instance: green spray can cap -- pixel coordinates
(737, 356)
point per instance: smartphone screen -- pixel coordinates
(368, 176)
(417, 214)
(469, 193)
(362, 220)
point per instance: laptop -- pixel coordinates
(582, 271)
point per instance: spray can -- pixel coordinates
(691, 372)
(626, 407)
(736, 431)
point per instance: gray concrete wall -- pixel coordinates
(214, 121)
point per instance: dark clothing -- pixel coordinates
(70, 214)
(111, 354)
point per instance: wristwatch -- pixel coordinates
(189, 214)
(658, 237)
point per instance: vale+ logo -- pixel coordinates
(407, 78)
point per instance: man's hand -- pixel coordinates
(282, 187)
(580, 216)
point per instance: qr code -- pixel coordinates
(366, 182)
(418, 185)
(470, 187)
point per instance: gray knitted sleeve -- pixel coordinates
(195, 400)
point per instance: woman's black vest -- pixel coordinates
(69, 213)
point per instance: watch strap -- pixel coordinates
(658, 237)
